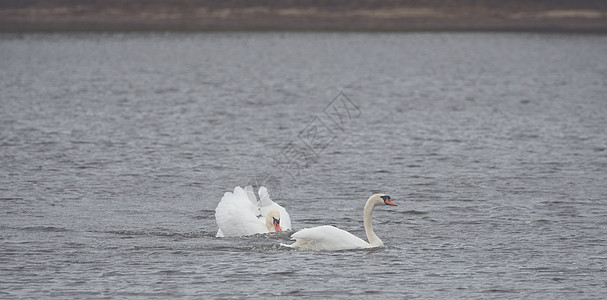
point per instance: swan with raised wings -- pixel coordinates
(332, 238)
(240, 213)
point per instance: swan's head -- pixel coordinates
(273, 221)
(381, 199)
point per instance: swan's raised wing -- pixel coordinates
(268, 205)
(251, 195)
(243, 199)
(326, 238)
(236, 215)
(264, 197)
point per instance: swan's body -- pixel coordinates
(332, 238)
(240, 213)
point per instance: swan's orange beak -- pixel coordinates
(389, 202)
(276, 225)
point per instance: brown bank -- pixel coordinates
(355, 15)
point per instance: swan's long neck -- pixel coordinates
(368, 221)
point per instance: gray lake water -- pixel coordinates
(116, 148)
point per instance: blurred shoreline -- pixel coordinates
(358, 15)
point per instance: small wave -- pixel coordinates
(500, 291)
(310, 220)
(410, 212)
(10, 198)
(133, 233)
(204, 214)
(46, 229)
(283, 273)
(113, 274)
(250, 248)
(173, 272)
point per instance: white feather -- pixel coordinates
(240, 213)
(267, 205)
(236, 215)
(326, 238)
(332, 238)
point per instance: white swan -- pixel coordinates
(332, 238)
(240, 213)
